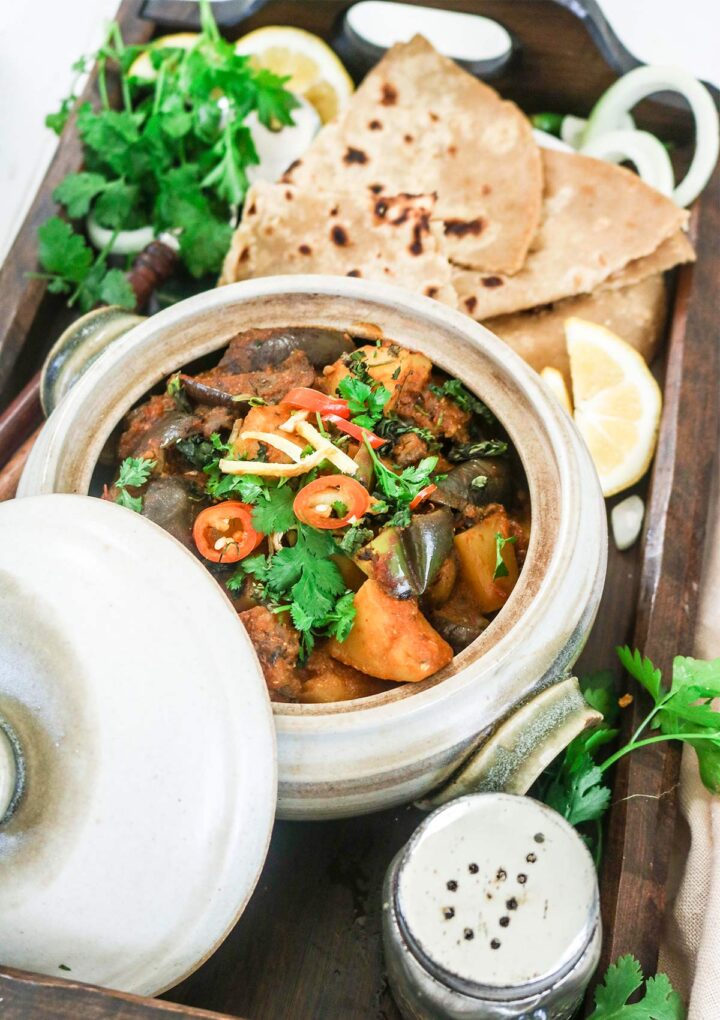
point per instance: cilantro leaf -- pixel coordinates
(274, 510)
(621, 981)
(134, 472)
(115, 206)
(77, 191)
(62, 251)
(577, 790)
(115, 289)
(399, 490)
(599, 691)
(501, 569)
(366, 401)
(642, 669)
(464, 399)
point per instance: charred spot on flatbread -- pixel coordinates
(375, 188)
(431, 291)
(389, 94)
(470, 303)
(354, 272)
(305, 249)
(353, 155)
(492, 281)
(339, 236)
(463, 228)
(408, 139)
(375, 125)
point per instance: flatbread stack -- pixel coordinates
(430, 180)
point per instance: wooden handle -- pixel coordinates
(13, 469)
(19, 419)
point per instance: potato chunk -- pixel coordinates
(394, 367)
(477, 552)
(326, 680)
(267, 418)
(391, 639)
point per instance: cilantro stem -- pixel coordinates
(102, 83)
(648, 719)
(634, 745)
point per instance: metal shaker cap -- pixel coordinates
(497, 896)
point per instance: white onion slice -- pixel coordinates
(645, 81)
(127, 242)
(278, 149)
(640, 148)
(572, 128)
(547, 141)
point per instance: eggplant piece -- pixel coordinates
(168, 502)
(463, 485)
(322, 347)
(405, 561)
(163, 433)
(201, 393)
(384, 561)
(427, 541)
(458, 633)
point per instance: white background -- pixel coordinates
(40, 39)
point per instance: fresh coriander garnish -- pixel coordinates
(274, 510)
(501, 569)
(399, 490)
(464, 399)
(304, 580)
(134, 472)
(479, 482)
(366, 401)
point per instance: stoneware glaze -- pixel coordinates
(359, 756)
(142, 754)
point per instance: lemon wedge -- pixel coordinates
(314, 70)
(555, 382)
(142, 67)
(617, 403)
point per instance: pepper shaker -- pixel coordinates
(491, 912)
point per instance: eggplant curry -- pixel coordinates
(366, 513)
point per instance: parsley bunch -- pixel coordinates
(173, 156)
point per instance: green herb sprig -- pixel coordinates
(134, 472)
(171, 157)
(621, 981)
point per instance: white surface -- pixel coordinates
(146, 726)
(39, 41)
(498, 890)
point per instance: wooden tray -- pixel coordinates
(309, 944)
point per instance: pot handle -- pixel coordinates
(78, 347)
(514, 755)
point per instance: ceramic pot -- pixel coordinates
(360, 756)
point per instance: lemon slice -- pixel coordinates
(617, 403)
(142, 67)
(315, 72)
(555, 382)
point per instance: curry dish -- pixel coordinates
(366, 513)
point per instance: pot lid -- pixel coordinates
(137, 749)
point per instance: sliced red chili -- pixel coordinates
(224, 533)
(355, 431)
(337, 495)
(423, 495)
(313, 400)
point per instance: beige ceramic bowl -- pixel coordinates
(359, 756)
